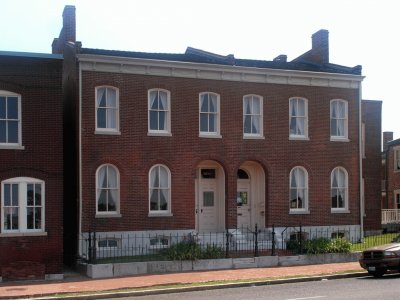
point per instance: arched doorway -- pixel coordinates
(250, 201)
(210, 197)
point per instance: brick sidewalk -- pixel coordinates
(84, 284)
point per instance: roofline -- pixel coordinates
(118, 64)
(31, 54)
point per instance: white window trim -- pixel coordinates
(259, 135)
(344, 209)
(160, 213)
(108, 131)
(16, 146)
(216, 134)
(167, 131)
(344, 138)
(22, 184)
(305, 209)
(296, 136)
(395, 193)
(396, 152)
(108, 214)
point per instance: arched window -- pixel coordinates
(159, 111)
(339, 119)
(298, 118)
(339, 189)
(252, 116)
(107, 189)
(107, 109)
(298, 198)
(159, 189)
(209, 114)
(22, 205)
(10, 119)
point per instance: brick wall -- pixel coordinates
(38, 81)
(134, 152)
(372, 163)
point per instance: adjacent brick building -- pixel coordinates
(391, 172)
(31, 168)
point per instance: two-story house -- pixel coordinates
(31, 168)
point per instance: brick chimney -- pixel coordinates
(320, 46)
(387, 137)
(68, 31)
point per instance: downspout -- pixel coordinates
(360, 162)
(80, 158)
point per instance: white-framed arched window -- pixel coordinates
(10, 120)
(298, 195)
(298, 118)
(107, 109)
(209, 119)
(339, 119)
(159, 190)
(107, 189)
(339, 190)
(159, 108)
(22, 205)
(252, 116)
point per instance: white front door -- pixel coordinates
(207, 208)
(243, 204)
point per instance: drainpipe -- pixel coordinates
(80, 158)
(360, 162)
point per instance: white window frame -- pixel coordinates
(99, 189)
(105, 130)
(294, 136)
(167, 130)
(303, 209)
(17, 145)
(216, 133)
(22, 183)
(252, 98)
(396, 194)
(396, 159)
(159, 212)
(344, 209)
(344, 137)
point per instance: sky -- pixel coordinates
(361, 32)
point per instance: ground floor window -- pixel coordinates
(22, 205)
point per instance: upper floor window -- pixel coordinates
(107, 109)
(159, 189)
(107, 189)
(339, 189)
(397, 159)
(298, 118)
(298, 189)
(10, 119)
(209, 115)
(252, 116)
(159, 111)
(22, 205)
(338, 119)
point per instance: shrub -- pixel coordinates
(319, 246)
(339, 246)
(185, 250)
(212, 251)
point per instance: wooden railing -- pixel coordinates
(390, 216)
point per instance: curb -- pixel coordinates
(120, 293)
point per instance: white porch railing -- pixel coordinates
(390, 216)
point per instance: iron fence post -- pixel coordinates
(256, 242)
(227, 244)
(89, 250)
(273, 240)
(301, 241)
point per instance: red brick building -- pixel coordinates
(391, 172)
(176, 143)
(31, 168)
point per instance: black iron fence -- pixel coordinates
(98, 247)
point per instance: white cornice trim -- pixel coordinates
(127, 65)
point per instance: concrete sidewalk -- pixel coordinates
(84, 288)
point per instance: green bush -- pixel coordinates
(212, 252)
(319, 246)
(190, 250)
